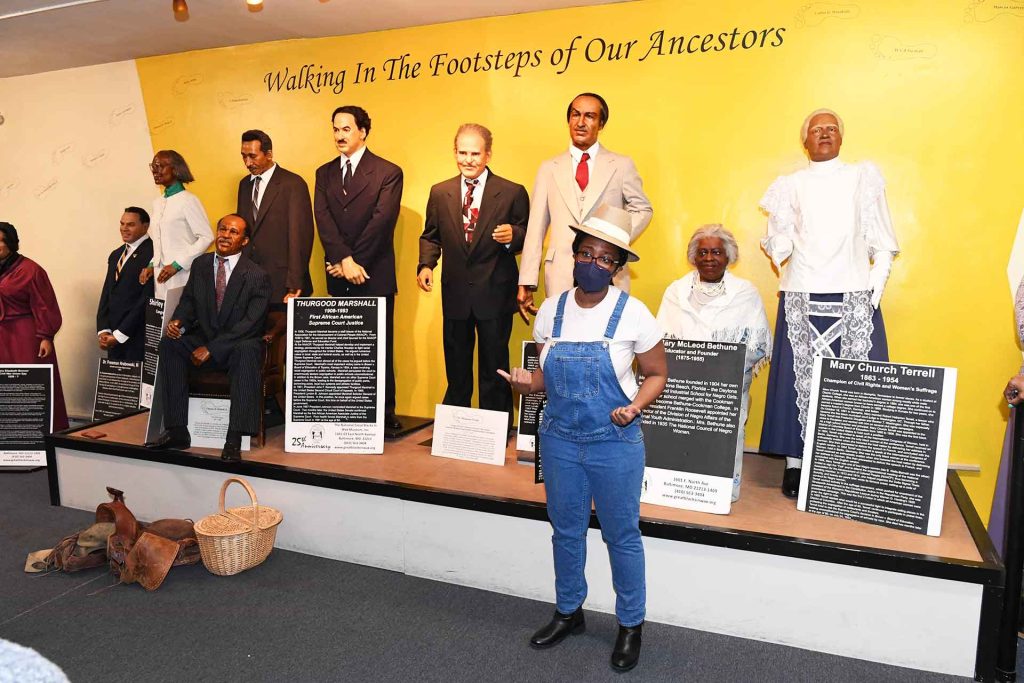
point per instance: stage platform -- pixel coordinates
(765, 571)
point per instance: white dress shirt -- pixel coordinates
(264, 179)
(355, 158)
(826, 224)
(132, 246)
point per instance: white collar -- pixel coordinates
(822, 167)
(355, 158)
(230, 261)
(576, 153)
(132, 246)
(266, 175)
(481, 179)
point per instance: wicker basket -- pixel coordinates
(234, 540)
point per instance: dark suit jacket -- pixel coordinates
(361, 223)
(479, 278)
(281, 238)
(123, 302)
(243, 313)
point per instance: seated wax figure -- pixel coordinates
(711, 304)
(218, 325)
(29, 316)
(121, 314)
(830, 236)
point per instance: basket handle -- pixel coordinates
(255, 524)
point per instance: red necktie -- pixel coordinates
(469, 215)
(222, 280)
(583, 172)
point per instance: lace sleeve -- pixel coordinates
(777, 202)
(1018, 311)
(873, 209)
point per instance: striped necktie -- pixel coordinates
(120, 263)
(222, 280)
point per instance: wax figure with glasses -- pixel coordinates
(121, 314)
(476, 223)
(831, 238)
(567, 190)
(29, 316)
(712, 304)
(591, 444)
(218, 325)
(275, 203)
(180, 229)
(356, 202)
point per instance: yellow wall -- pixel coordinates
(929, 91)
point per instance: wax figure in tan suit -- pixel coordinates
(275, 202)
(476, 221)
(566, 192)
(356, 203)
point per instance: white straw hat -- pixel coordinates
(611, 224)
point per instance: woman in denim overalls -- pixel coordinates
(591, 445)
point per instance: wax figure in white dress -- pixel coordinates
(711, 304)
(179, 227)
(830, 236)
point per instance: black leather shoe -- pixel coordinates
(176, 437)
(627, 647)
(392, 422)
(558, 628)
(232, 448)
(791, 482)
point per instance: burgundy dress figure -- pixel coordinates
(29, 316)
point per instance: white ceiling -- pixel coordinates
(115, 30)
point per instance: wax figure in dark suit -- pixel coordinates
(356, 203)
(477, 222)
(217, 325)
(275, 203)
(121, 314)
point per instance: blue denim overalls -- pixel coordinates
(588, 457)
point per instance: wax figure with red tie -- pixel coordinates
(275, 202)
(476, 223)
(568, 190)
(121, 314)
(218, 325)
(356, 202)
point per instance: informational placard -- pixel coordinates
(118, 385)
(470, 434)
(529, 405)
(690, 432)
(877, 443)
(26, 414)
(208, 421)
(335, 391)
(158, 314)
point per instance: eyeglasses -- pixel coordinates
(701, 253)
(158, 166)
(606, 262)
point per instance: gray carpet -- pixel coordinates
(302, 618)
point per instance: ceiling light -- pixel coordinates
(179, 6)
(254, 3)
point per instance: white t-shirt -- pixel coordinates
(637, 332)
